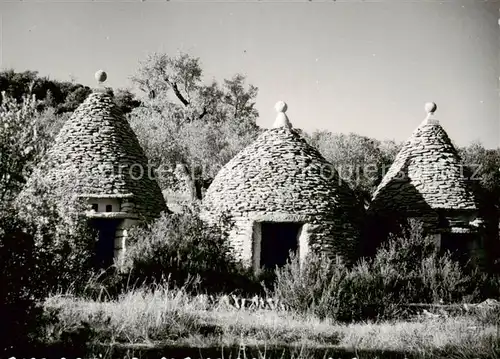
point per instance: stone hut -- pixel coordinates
(427, 182)
(281, 195)
(97, 156)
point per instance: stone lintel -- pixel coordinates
(277, 217)
(111, 215)
(462, 230)
(110, 195)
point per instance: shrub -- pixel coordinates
(182, 248)
(63, 242)
(312, 287)
(23, 320)
(327, 288)
(17, 307)
(25, 135)
(44, 247)
(419, 272)
(407, 269)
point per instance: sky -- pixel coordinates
(362, 66)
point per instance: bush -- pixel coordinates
(25, 135)
(407, 269)
(17, 307)
(420, 273)
(312, 287)
(23, 320)
(327, 288)
(44, 248)
(182, 248)
(62, 241)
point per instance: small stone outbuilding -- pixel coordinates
(427, 182)
(98, 158)
(281, 195)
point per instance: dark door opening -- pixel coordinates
(105, 246)
(277, 240)
(458, 244)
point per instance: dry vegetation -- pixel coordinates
(165, 316)
(326, 304)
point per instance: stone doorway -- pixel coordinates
(276, 242)
(105, 245)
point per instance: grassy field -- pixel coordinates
(165, 317)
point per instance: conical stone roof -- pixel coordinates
(281, 173)
(426, 175)
(97, 154)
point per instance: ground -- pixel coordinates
(171, 318)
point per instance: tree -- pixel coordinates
(75, 98)
(481, 168)
(178, 81)
(65, 96)
(17, 84)
(125, 100)
(161, 76)
(358, 159)
(25, 135)
(46, 246)
(238, 100)
(184, 120)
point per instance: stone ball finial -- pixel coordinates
(430, 107)
(281, 106)
(101, 76)
(281, 118)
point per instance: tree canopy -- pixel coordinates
(360, 160)
(183, 119)
(62, 96)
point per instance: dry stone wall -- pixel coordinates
(97, 153)
(280, 174)
(425, 179)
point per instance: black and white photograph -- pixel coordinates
(249, 179)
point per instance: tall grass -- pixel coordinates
(329, 304)
(172, 316)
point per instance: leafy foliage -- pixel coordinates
(61, 96)
(360, 160)
(481, 167)
(44, 247)
(25, 135)
(63, 239)
(407, 269)
(183, 249)
(183, 120)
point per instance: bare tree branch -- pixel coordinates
(177, 92)
(203, 113)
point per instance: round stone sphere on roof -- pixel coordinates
(281, 106)
(101, 76)
(430, 107)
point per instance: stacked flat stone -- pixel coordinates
(280, 174)
(97, 154)
(426, 178)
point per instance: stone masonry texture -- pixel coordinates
(280, 173)
(97, 151)
(426, 179)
